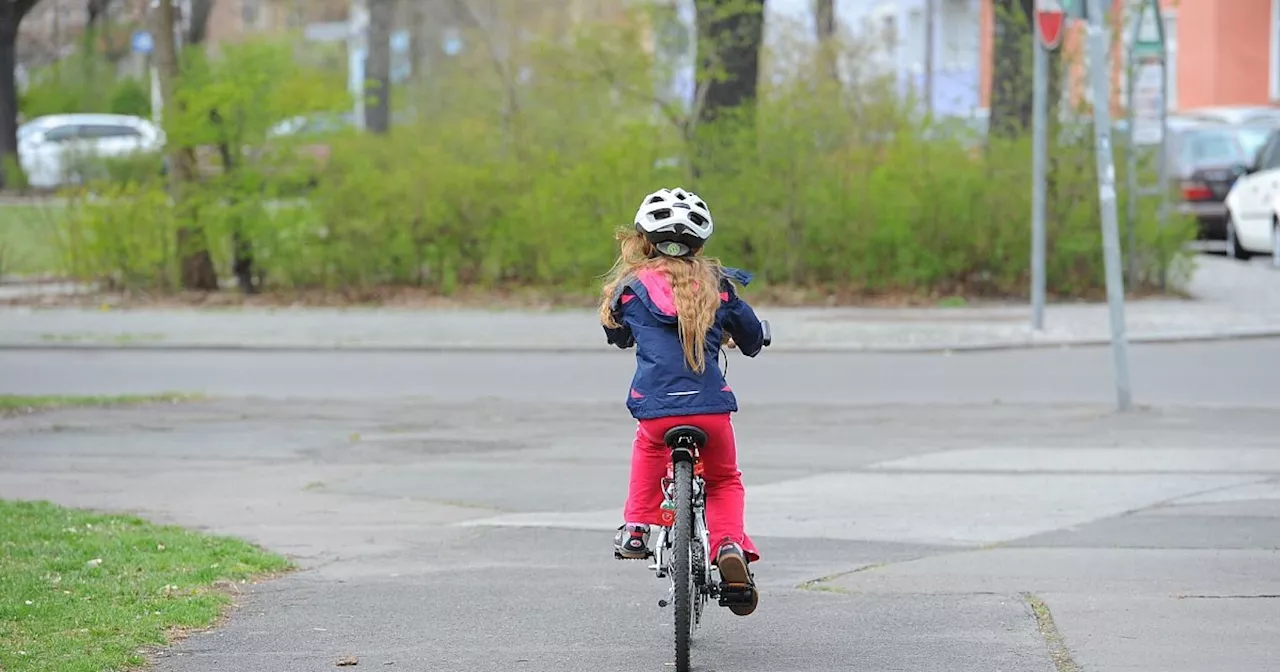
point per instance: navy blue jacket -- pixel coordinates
(664, 385)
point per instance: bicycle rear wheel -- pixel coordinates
(681, 576)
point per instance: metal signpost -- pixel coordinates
(1147, 96)
(1099, 71)
(1050, 18)
(357, 51)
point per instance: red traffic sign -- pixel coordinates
(1051, 21)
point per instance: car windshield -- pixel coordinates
(27, 129)
(1213, 146)
(1252, 139)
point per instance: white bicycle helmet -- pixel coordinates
(676, 222)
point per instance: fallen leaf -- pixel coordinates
(348, 661)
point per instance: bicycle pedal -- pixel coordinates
(619, 556)
(736, 593)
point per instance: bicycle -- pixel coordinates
(681, 549)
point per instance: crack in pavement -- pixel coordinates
(1053, 640)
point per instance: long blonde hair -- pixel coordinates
(695, 281)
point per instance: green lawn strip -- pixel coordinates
(89, 592)
(27, 238)
(14, 404)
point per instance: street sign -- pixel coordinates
(1148, 102)
(1149, 33)
(1051, 18)
(142, 42)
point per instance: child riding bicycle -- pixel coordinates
(676, 307)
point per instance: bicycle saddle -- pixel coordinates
(676, 435)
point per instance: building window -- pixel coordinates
(958, 36)
(886, 37)
(913, 44)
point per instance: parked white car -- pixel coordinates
(50, 147)
(1253, 205)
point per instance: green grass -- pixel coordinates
(11, 404)
(27, 239)
(87, 592)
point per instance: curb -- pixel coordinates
(990, 346)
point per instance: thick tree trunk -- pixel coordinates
(193, 247)
(824, 12)
(199, 28)
(11, 13)
(1012, 72)
(378, 66)
(730, 34)
(8, 100)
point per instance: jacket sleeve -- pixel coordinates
(741, 322)
(620, 336)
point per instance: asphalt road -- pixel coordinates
(455, 512)
(1237, 373)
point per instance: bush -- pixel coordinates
(84, 83)
(499, 179)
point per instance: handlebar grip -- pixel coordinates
(768, 333)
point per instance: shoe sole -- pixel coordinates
(733, 569)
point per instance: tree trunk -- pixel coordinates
(11, 13)
(193, 248)
(1012, 70)
(378, 66)
(824, 12)
(199, 28)
(730, 34)
(825, 18)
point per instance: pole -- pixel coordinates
(1039, 124)
(357, 49)
(1132, 181)
(929, 35)
(1099, 71)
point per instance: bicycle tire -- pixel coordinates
(681, 574)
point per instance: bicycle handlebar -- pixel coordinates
(768, 334)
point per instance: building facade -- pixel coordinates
(1220, 52)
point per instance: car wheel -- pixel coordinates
(1234, 250)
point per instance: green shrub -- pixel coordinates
(123, 235)
(130, 96)
(84, 82)
(498, 180)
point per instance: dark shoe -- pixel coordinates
(631, 542)
(735, 572)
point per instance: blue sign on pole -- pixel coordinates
(142, 42)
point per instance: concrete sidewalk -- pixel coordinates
(1232, 300)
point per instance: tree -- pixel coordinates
(1012, 69)
(199, 24)
(378, 65)
(197, 265)
(11, 14)
(824, 12)
(730, 34)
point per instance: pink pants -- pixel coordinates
(719, 458)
